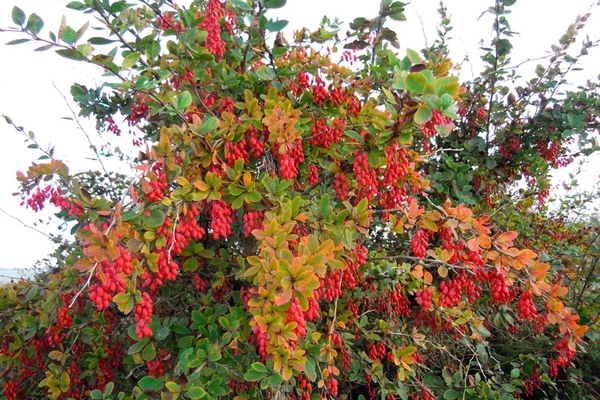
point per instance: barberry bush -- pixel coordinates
(324, 217)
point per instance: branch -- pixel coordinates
(84, 132)
(53, 239)
(420, 260)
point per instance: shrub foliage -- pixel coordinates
(324, 217)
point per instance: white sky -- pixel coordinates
(28, 96)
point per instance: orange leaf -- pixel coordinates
(473, 244)
(463, 212)
(485, 242)
(427, 278)
(418, 271)
(414, 211)
(558, 291)
(526, 257)
(506, 239)
(480, 225)
(445, 255)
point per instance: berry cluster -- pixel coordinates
(340, 183)
(450, 293)
(256, 146)
(165, 22)
(109, 283)
(320, 94)
(226, 105)
(155, 187)
(324, 136)
(304, 387)
(423, 298)
(143, 316)
(290, 159)
(566, 352)
(178, 78)
(550, 153)
(332, 387)
(139, 110)
(313, 174)
(366, 177)
(261, 341)
(211, 23)
(353, 107)
(396, 166)
(312, 313)
(419, 243)
(525, 308)
(220, 219)
(36, 200)
(156, 368)
(499, 287)
(199, 283)
(252, 220)
(376, 351)
(236, 151)
(295, 314)
(399, 304)
(331, 287)
(186, 230)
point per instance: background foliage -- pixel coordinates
(328, 217)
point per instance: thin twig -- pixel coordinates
(84, 132)
(29, 226)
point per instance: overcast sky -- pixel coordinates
(28, 95)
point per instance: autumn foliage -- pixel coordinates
(324, 218)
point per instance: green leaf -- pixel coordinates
(156, 218)
(96, 394)
(253, 375)
(173, 387)
(259, 367)
(124, 302)
(150, 383)
(190, 265)
(265, 73)
(446, 101)
(209, 125)
(184, 101)
(451, 394)
(274, 3)
(17, 41)
(100, 41)
(413, 56)
(508, 387)
(310, 369)
(483, 331)
(76, 5)
(195, 392)
(67, 35)
(137, 346)
(415, 82)
(422, 115)
(276, 26)
(118, 6)
(451, 89)
(432, 101)
(45, 47)
(130, 61)
(398, 16)
(34, 24)
(490, 163)
(149, 352)
(18, 16)
(71, 54)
